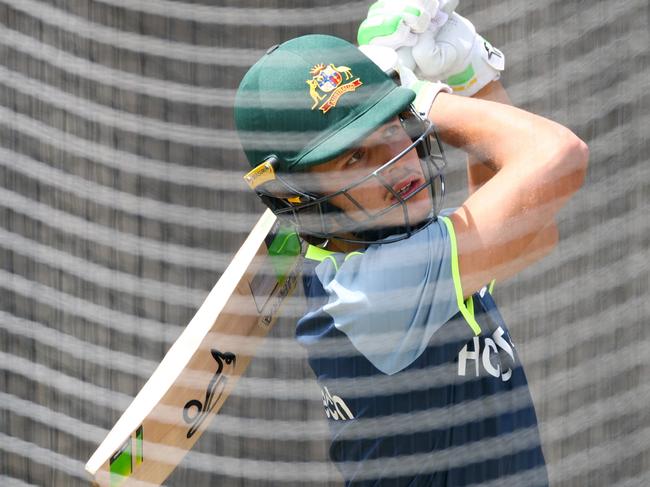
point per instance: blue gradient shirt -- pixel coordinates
(420, 386)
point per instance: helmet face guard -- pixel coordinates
(316, 215)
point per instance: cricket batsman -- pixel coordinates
(421, 382)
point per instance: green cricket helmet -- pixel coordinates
(308, 101)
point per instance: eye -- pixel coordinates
(355, 157)
(392, 131)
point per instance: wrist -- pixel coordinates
(426, 93)
(493, 91)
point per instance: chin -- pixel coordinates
(419, 209)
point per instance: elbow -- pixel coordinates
(549, 238)
(575, 159)
(579, 157)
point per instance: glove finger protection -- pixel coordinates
(397, 23)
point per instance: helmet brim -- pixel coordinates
(355, 130)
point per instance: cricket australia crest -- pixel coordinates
(325, 85)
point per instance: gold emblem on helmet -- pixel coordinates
(325, 84)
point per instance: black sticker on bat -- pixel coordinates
(195, 411)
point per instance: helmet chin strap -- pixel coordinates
(380, 234)
(385, 234)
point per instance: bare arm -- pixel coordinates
(480, 171)
(508, 223)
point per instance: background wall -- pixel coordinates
(121, 202)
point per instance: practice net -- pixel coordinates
(122, 202)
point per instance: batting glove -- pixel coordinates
(457, 55)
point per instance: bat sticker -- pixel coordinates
(218, 381)
(124, 461)
(284, 291)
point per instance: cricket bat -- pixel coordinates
(200, 370)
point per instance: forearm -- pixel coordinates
(480, 171)
(498, 135)
(539, 164)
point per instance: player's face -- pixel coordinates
(404, 177)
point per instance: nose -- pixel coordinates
(402, 167)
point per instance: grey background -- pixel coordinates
(121, 203)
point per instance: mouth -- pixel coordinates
(406, 188)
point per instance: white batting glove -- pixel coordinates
(425, 91)
(392, 28)
(457, 55)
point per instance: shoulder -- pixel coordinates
(402, 290)
(381, 266)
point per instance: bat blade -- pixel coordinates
(200, 370)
